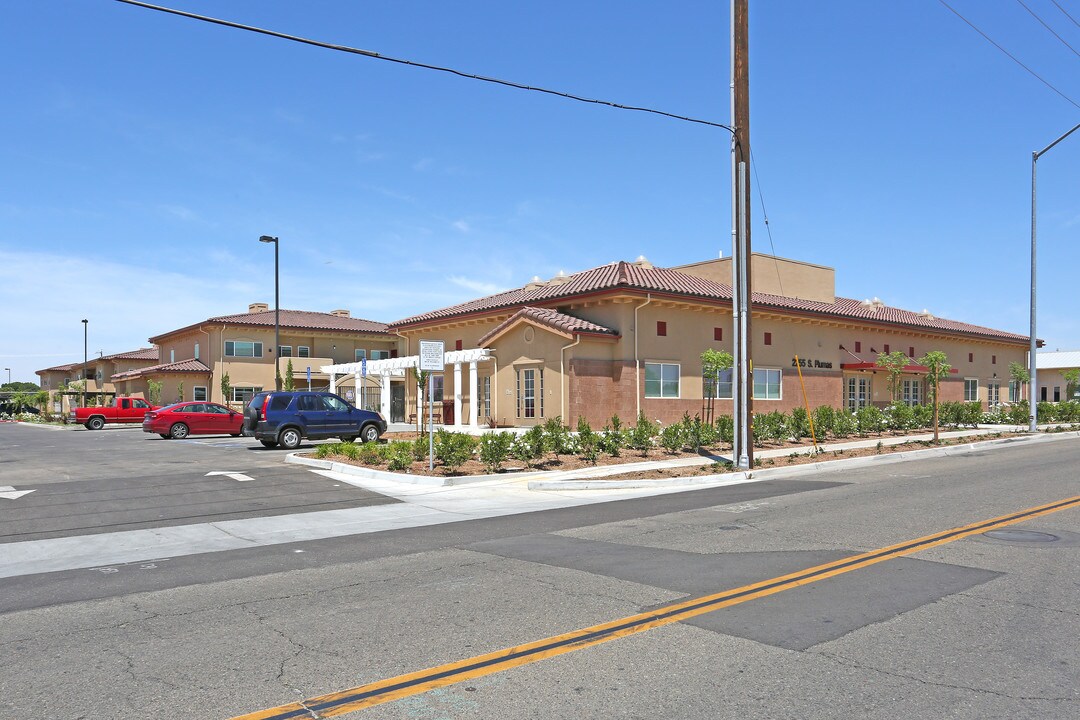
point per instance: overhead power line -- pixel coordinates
(1066, 13)
(426, 66)
(1011, 56)
(1043, 23)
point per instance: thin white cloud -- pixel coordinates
(479, 286)
(461, 226)
(423, 164)
(179, 211)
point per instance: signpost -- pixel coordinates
(432, 360)
(309, 378)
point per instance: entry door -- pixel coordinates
(397, 402)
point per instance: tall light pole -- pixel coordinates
(277, 312)
(85, 382)
(1032, 400)
(8, 375)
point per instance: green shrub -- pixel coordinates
(557, 437)
(369, 453)
(770, 427)
(420, 447)
(642, 434)
(924, 415)
(612, 441)
(845, 424)
(824, 421)
(1020, 413)
(725, 428)
(326, 450)
(588, 442)
(453, 449)
(671, 438)
(495, 449)
(529, 446)
(399, 455)
(799, 423)
(870, 419)
(900, 416)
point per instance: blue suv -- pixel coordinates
(287, 418)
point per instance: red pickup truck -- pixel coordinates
(119, 410)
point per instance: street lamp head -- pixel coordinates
(85, 321)
(267, 239)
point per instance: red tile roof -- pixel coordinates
(182, 366)
(630, 277)
(59, 368)
(292, 320)
(140, 354)
(553, 319)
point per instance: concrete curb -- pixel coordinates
(794, 471)
(556, 480)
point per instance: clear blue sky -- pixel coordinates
(143, 155)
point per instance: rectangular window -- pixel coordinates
(768, 338)
(284, 351)
(993, 359)
(380, 354)
(243, 348)
(911, 351)
(718, 334)
(993, 394)
(303, 351)
(199, 393)
(1057, 393)
(457, 344)
(857, 392)
(766, 384)
(719, 386)
(360, 355)
(172, 356)
(244, 394)
(858, 346)
(662, 380)
(971, 357)
(196, 351)
(661, 328)
(485, 395)
(1014, 391)
(971, 389)
(528, 393)
(911, 392)
(437, 388)
(886, 348)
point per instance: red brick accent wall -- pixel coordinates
(599, 389)
(952, 390)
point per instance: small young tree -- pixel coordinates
(226, 389)
(937, 368)
(421, 384)
(1019, 373)
(894, 364)
(153, 391)
(290, 381)
(1072, 378)
(713, 362)
(180, 392)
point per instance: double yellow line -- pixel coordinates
(422, 681)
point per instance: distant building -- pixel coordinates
(1052, 367)
(97, 372)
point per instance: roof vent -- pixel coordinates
(873, 305)
(258, 307)
(927, 314)
(340, 313)
(559, 279)
(536, 282)
(643, 262)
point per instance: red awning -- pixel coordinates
(910, 369)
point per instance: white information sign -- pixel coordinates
(431, 355)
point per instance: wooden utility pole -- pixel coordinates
(741, 254)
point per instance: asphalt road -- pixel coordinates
(976, 627)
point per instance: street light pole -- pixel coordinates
(8, 375)
(277, 312)
(1032, 370)
(85, 382)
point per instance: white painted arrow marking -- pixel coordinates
(11, 493)
(240, 477)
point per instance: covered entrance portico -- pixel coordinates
(382, 372)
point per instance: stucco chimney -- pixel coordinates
(258, 307)
(340, 313)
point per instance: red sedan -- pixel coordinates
(193, 418)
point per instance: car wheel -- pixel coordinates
(166, 436)
(289, 438)
(178, 431)
(269, 443)
(95, 423)
(370, 433)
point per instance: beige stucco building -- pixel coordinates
(627, 337)
(1052, 366)
(192, 360)
(97, 372)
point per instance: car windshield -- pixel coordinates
(169, 408)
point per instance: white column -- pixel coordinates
(333, 382)
(384, 397)
(457, 395)
(359, 384)
(474, 397)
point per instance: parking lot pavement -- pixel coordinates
(82, 482)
